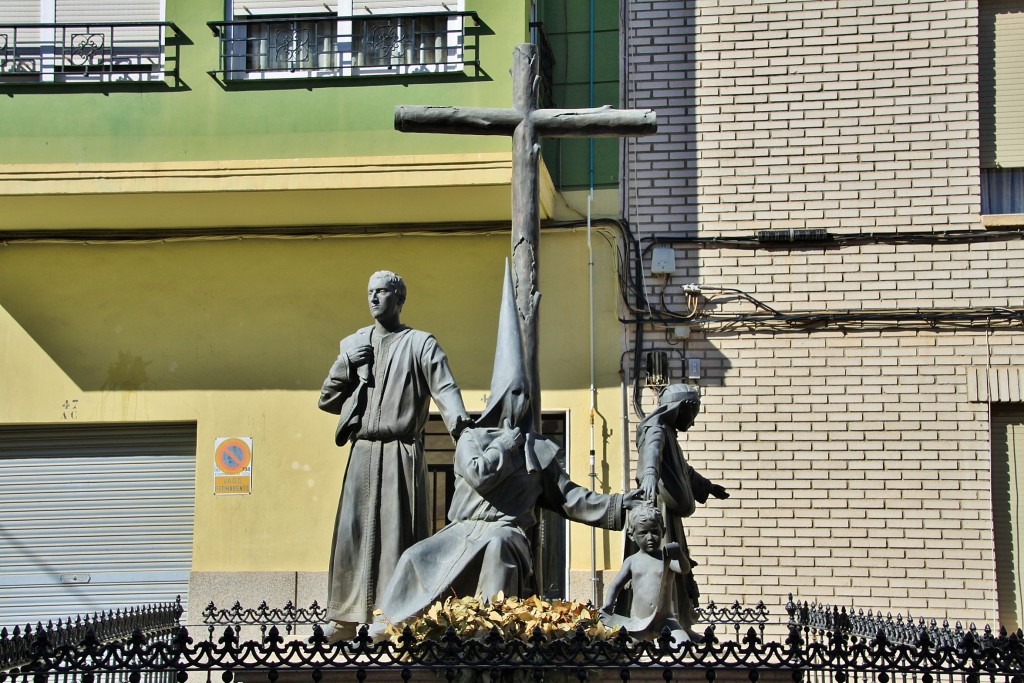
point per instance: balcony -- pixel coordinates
(332, 46)
(111, 52)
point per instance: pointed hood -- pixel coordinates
(508, 379)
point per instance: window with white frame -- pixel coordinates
(66, 41)
(300, 38)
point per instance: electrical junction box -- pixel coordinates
(693, 368)
(663, 261)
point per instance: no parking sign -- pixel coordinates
(232, 465)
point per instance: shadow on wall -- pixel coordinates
(663, 197)
(246, 314)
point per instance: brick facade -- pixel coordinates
(858, 463)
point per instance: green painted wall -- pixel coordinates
(204, 121)
(567, 24)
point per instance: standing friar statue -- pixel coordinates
(380, 386)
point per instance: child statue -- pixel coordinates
(651, 572)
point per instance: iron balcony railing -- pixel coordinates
(328, 45)
(89, 52)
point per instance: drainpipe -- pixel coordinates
(590, 273)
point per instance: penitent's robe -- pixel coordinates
(485, 550)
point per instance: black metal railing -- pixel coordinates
(818, 620)
(136, 52)
(328, 45)
(263, 616)
(547, 64)
(814, 645)
(19, 644)
(291, 617)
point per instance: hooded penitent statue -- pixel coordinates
(503, 472)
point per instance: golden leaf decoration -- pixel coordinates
(513, 617)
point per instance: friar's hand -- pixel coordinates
(361, 355)
(632, 499)
(649, 485)
(462, 423)
(718, 491)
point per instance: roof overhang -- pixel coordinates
(352, 191)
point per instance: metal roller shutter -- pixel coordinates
(77, 12)
(1001, 82)
(94, 517)
(19, 11)
(360, 7)
(1007, 495)
(244, 8)
(85, 11)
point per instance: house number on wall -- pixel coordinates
(70, 407)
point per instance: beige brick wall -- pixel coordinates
(858, 465)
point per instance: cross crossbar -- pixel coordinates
(599, 122)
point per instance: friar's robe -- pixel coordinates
(484, 549)
(384, 411)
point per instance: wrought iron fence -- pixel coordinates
(328, 45)
(817, 644)
(291, 617)
(19, 644)
(819, 620)
(263, 617)
(87, 53)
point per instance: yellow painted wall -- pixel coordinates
(237, 334)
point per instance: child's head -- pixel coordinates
(646, 526)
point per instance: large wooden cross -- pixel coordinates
(526, 124)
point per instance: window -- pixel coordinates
(291, 45)
(273, 39)
(1007, 489)
(409, 41)
(551, 530)
(1001, 105)
(67, 41)
(1002, 190)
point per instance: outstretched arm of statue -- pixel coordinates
(580, 504)
(704, 487)
(443, 388)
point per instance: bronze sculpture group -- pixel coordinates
(382, 557)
